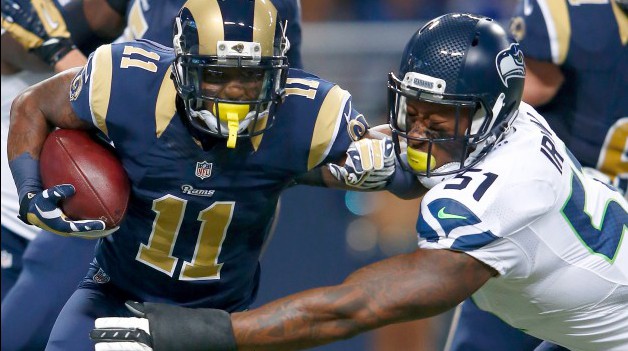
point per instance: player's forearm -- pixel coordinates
(28, 128)
(304, 320)
(36, 111)
(405, 287)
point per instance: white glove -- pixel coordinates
(369, 166)
(122, 334)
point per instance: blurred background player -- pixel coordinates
(577, 78)
(50, 274)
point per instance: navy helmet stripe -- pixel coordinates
(237, 16)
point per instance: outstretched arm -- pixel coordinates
(402, 288)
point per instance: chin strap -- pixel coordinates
(233, 123)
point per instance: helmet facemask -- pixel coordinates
(417, 154)
(233, 91)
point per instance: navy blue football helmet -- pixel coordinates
(218, 42)
(465, 61)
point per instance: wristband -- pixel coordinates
(403, 184)
(54, 49)
(25, 171)
(177, 328)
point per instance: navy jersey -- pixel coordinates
(153, 20)
(197, 219)
(587, 39)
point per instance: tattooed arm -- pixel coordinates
(405, 287)
(402, 288)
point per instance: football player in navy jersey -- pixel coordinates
(510, 219)
(85, 23)
(210, 132)
(577, 78)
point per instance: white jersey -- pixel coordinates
(12, 85)
(553, 234)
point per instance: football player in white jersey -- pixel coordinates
(509, 219)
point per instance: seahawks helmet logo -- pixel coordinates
(510, 64)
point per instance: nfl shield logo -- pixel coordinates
(101, 277)
(203, 169)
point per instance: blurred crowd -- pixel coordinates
(392, 10)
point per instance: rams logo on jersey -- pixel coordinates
(510, 64)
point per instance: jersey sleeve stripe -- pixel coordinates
(165, 107)
(54, 24)
(100, 86)
(622, 22)
(261, 124)
(472, 242)
(327, 124)
(556, 14)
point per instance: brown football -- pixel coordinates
(102, 186)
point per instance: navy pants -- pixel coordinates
(52, 267)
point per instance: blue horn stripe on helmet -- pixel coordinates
(235, 14)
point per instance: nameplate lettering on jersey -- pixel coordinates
(548, 148)
(188, 189)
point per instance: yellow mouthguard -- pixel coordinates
(232, 114)
(418, 160)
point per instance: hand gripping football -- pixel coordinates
(102, 186)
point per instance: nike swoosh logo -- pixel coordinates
(52, 23)
(443, 215)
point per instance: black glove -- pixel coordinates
(162, 327)
(39, 27)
